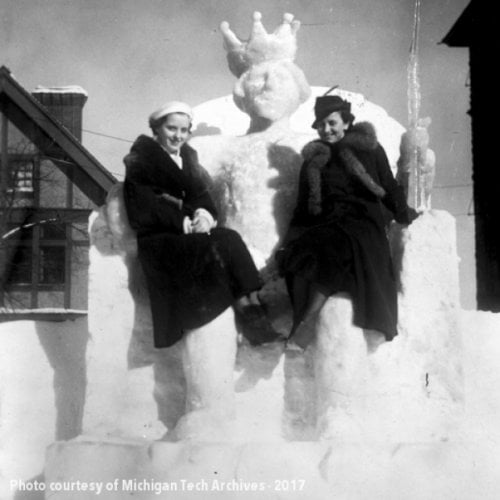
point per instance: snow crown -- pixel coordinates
(262, 46)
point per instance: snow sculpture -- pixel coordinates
(255, 185)
(416, 165)
(256, 174)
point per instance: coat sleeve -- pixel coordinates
(395, 199)
(301, 219)
(146, 209)
(199, 194)
(301, 216)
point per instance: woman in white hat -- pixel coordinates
(194, 270)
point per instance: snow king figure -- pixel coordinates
(270, 86)
(256, 175)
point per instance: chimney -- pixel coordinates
(65, 104)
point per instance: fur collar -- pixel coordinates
(316, 154)
(361, 136)
(146, 147)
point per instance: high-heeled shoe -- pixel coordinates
(303, 333)
(255, 325)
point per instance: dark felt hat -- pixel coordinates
(327, 104)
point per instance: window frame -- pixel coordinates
(13, 184)
(65, 218)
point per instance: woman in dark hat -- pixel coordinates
(337, 238)
(194, 270)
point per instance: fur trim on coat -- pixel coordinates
(317, 154)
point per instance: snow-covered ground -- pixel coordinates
(42, 366)
(464, 468)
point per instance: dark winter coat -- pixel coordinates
(346, 191)
(189, 276)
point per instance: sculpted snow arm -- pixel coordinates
(395, 198)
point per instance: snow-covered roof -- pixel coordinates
(68, 89)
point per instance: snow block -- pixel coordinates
(79, 469)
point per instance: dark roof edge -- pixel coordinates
(66, 140)
(461, 32)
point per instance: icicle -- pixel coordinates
(414, 96)
(414, 99)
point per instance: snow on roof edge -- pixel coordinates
(68, 89)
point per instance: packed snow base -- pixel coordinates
(463, 467)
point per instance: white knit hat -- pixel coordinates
(168, 108)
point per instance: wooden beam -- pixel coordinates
(67, 266)
(42, 315)
(4, 153)
(34, 215)
(35, 267)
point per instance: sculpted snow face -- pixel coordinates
(270, 86)
(269, 92)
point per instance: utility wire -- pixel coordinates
(73, 164)
(106, 135)
(92, 132)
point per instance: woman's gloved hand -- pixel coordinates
(202, 222)
(200, 225)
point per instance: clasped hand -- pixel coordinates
(200, 224)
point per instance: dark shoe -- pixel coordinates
(303, 333)
(256, 327)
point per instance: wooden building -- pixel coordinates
(49, 184)
(474, 29)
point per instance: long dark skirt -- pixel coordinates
(351, 256)
(193, 278)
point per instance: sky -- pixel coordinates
(133, 55)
